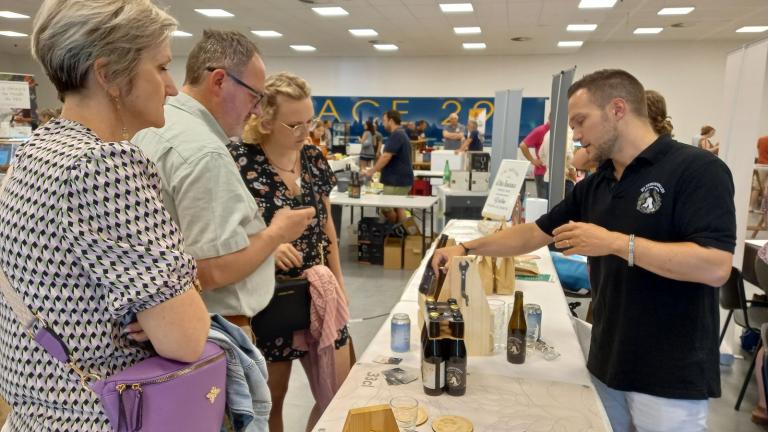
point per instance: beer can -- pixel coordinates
(401, 333)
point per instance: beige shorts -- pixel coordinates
(394, 190)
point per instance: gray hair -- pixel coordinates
(229, 50)
(70, 35)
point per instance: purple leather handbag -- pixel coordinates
(155, 394)
(158, 394)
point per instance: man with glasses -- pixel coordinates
(202, 188)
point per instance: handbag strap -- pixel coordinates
(320, 248)
(34, 325)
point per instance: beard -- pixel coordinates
(603, 149)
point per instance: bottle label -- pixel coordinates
(515, 345)
(433, 375)
(454, 376)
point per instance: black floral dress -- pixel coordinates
(272, 194)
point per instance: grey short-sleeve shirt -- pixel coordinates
(205, 195)
(453, 144)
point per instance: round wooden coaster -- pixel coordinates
(451, 423)
(423, 417)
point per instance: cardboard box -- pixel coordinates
(480, 181)
(460, 180)
(412, 252)
(393, 253)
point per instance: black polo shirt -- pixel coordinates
(651, 334)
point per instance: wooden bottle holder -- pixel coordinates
(478, 330)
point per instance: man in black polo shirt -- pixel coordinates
(658, 224)
(395, 164)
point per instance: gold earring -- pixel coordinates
(123, 129)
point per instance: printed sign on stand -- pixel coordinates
(17, 105)
(505, 190)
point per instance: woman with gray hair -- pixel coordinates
(84, 237)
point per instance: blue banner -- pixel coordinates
(434, 110)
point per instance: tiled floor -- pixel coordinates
(374, 290)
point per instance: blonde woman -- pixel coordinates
(705, 142)
(84, 236)
(282, 170)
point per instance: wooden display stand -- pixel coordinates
(478, 330)
(376, 418)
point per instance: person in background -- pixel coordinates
(570, 171)
(762, 150)
(319, 137)
(394, 164)
(421, 128)
(328, 125)
(657, 113)
(367, 150)
(658, 250)
(378, 138)
(705, 142)
(453, 133)
(281, 170)
(86, 240)
(533, 141)
(202, 188)
(410, 130)
(472, 142)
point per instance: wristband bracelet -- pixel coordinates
(466, 249)
(631, 255)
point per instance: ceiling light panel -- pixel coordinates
(266, 33)
(570, 44)
(179, 33)
(214, 13)
(12, 15)
(752, 29)
(456, 7)
(595, 4)
(330, 11)
(12, 34)
(581, 27)
(676, 11)
(473, 45)
(304, 48)
(467, 30)
(363, 32)
(386, 47)
(648, 30)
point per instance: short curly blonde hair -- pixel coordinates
(68, 36)
(283, 84)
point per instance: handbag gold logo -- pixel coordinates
(213, 393)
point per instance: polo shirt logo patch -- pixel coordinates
(649, 201)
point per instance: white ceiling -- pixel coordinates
(419, 28)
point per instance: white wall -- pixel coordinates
(689, 74)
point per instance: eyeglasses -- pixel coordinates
(299, 129)
(257, 95)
